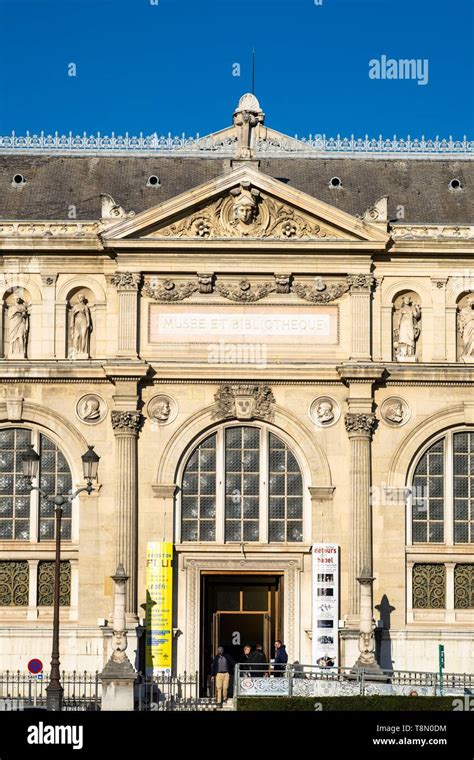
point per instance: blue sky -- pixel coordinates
(169, 66)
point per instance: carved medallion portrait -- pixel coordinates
(91, 409)
(162, 409)
(324, 411)
(395, 411)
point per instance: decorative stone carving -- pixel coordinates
(168, 290)
(244, 402)
(126, 422)
(245, 292)
(247, 212)
(247, 116)
(378, 212)
(52, 229)
(19, 325)
(206, 282)
(360, 423)
(91, 409)
(395, 411)
(432, 231)
(406, 329)
(126, 280)
(283, 283)
(324, 411)
(162, 409)
(361, 282)
(112, 210)
(320, 292)
(81, 328)
(466, 330)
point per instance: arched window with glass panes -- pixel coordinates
(442, 486)
(25, 515)
(242, 484)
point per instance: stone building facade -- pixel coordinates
(270, 344)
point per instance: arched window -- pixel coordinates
(242, 484)
(25, 515)
(443, 491)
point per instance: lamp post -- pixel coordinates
(30, 463)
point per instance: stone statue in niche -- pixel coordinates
(81, 328)
(19, 323)
(407, 330)
(466, 330)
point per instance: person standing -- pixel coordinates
(221, 671)
(245, 660)
(281, 658)
(259, 660)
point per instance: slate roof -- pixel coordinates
(54, 182)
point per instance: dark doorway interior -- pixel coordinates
(236, 610)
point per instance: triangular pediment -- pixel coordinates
(246, 205)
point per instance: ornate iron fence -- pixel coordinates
(224, 145)
(21, 691)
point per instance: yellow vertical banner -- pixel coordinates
(159, 607)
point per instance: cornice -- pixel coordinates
(363, 373)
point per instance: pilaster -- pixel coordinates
(128, 285)
(360, 286)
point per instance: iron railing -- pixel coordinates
(297, 679)
(20, 691)
(224, 144)
(168, 693)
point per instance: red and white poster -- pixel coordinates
(325, 605)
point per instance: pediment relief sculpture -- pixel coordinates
(247, 212)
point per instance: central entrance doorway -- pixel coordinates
(237, 610)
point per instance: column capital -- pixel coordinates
(360, 283)
(126, 422)
(126, 280)
(360, 425)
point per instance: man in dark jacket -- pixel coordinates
(281, 658)
(221, 671)
(256, 658)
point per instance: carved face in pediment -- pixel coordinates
(247, 212)
(244, 209)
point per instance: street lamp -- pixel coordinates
(30, 464)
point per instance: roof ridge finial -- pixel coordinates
(247, 116)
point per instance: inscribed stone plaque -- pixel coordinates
(316, 325)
